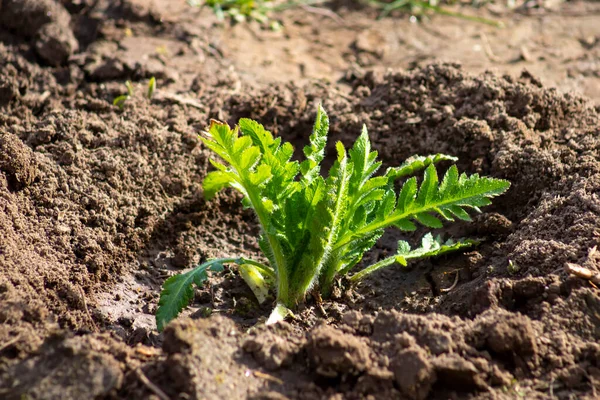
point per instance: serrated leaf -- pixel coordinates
(261, 176)
(387, 204)
(450, 181)
(405, 225)
(257, 133)
(459, 213)
(178, 291)
(428, 220)
(315, 151)
(407, 193)
(249, 158)
(431, 247)
(466, 192)
(417, 163)
(215, 181)
(217, 165)
(429, 187)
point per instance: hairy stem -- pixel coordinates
(280, 261)
(325, 259)
(331, 270)
(370, 269)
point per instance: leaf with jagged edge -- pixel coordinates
(364, 194)
(315, 151)
(451, 199)
(430, 247)
(363, 188)
(276, 157)
(415, 164)
(178, 291)
(259, 166)
(358, 250)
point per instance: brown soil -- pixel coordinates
(99, 205)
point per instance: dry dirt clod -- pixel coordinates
(55, 43)
(28, 16)
(458, 373)
(9, 85)
(70, 368)
(337, 354)
(17, 161)
(45, 20)
(414, 373)
(273, 347)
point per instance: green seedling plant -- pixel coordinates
(121, 100)
(419, 8)
(316, 229)
(251, 10)
(261, 10)
(237, 10)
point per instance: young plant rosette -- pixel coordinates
(315, 229)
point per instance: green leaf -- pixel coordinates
(151, 88)
(261, 176)
(429, 187)
(453, 197)
(315, 151)
(430, 247)
(405, 225)
(215, 181)
(178, 291)
(387, 204)
(407, 194)
(120, 101)
(417, 163)
(257, 133)
(129, 87)
(428, 220)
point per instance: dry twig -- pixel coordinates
(319, 302)
(268, 377)
(324, 12)
(87, 310)
(10, 343)
(144, 379)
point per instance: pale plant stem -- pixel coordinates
(280, 264)
(375, 267)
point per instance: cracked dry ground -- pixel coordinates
(98, 205)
